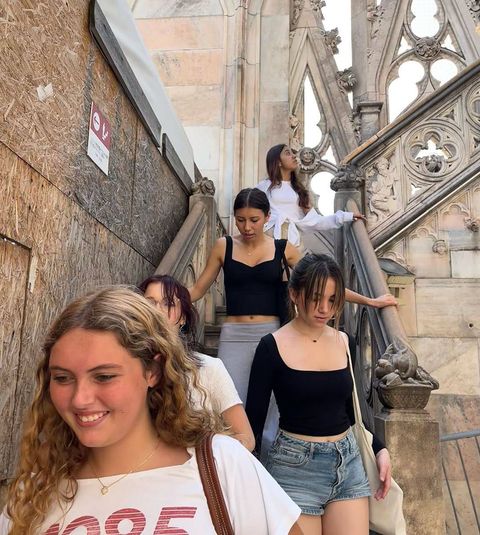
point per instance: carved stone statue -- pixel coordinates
(294, 139)
(332, 39)
(440, 247)
(205, 186)
(472, 224)
(374, 16)
(434, 163)
(309, 159)
(381, 187)
(317, 4)
(347, 177)
(356, 120)
(297, 10)
(400, 381)
(427, 47)
(346, 80)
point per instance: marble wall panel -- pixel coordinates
(252, 46)
(465, 264)
(275, 58)
(205, 141)
(252, 96)
(454, 362)
(225, 184)
(276, 7)
(455, 413)
(230, 96)
(151, 9)
(197, 105)
(190, 67)
(273, 128)
(406, 307)
(448, 307)
(182, 33)
(425, 262)
(251, 172)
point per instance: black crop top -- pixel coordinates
(252, 290)
(314, 403)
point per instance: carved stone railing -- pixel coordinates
(187, 256)
(421, 159)
(400, 382)
(395, 388)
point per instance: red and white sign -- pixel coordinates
(99, 138)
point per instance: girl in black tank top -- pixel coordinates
(251, 263)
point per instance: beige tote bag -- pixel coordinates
(385, 516)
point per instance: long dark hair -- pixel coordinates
(309, 278)
(173, 288)
(251, 198)
(275, 176)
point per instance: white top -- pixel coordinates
(171, 500)
(284, 208)
(221, 392)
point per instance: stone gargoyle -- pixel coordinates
(205, 186)
(399, 366)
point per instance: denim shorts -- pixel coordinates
(314, 474)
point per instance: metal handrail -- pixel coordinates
(456, 437)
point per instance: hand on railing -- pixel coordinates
(385, 300)
(358, 216)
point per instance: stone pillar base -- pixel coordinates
(412, 438)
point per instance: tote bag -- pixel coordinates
(385, 516)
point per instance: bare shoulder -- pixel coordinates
(341, 337)
(284, 333)
(292, 254)
(219, 247)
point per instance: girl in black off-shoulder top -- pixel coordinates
(305, 363)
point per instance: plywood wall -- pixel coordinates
(65, 227)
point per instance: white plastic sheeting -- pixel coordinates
(122, 23)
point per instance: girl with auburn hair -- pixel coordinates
(111, 434)
(173, 300)
(315, 457)
(292, 211)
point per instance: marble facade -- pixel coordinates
(226, 71)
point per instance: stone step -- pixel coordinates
(210, 336)
(220, 314)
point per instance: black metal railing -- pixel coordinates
(461, 470)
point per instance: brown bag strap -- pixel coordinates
(211, 487)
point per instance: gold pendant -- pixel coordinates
(104, 490)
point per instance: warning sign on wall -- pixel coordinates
(99, 138)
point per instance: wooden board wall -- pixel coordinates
(49, 43)
(69, 227)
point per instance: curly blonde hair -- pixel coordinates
(51, 454)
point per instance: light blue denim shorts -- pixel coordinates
(314, 474)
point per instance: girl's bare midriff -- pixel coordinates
(250, 319)
(309, 438)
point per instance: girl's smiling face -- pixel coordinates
(98, 388)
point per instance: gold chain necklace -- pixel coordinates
(105, 488)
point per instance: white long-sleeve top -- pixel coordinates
(284, 208)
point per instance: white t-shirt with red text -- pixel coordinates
(170, 501)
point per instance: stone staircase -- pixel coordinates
(212, 332)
